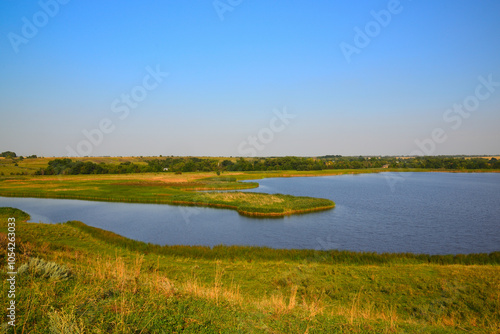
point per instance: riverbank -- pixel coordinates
(167, 188)
(102, 282)
(182, 189)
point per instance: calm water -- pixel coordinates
(435, 213)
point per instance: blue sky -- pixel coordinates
(249, 77)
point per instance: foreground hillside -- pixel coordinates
(79, 279)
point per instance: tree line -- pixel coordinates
(192, 164)
(70, 167)
(13, 155)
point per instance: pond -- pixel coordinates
(432, 213)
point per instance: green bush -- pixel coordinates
(49, 270)
(65, 323)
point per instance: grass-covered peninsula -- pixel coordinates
(130, 179)
(167, 188)
(74, 278)
(20, 178)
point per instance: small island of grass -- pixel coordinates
(192, 189)
(192, 180)
(257, 204)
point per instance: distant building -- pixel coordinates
(385, 166)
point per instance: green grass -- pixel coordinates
(162, 188)
(30, 166)
(117, 285)
(168, 188)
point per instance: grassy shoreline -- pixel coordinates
(164, 189)
(249, 204)
(105, 283)
(168, 188)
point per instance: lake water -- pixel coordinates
(433, 213)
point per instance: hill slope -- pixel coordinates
(94, 281)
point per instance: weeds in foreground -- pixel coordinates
(41, 268)
(93, 281)
(65, 322)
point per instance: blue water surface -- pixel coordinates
(433, 213)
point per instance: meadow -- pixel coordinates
(74, 278)
(162, 189)
(18, 179)
(159, 188)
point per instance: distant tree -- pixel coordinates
(189, 167)
(227, 163)
(495, 163)
(8, 154)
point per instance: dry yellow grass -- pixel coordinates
(132, 276)
(158, 177)
(77, 189)
(245, 197)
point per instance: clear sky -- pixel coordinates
(244, 78)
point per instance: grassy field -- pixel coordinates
(31, 165)
(167, 188)
(79, 279)
(160, 188)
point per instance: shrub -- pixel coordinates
(44, 269)
(65, 323)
